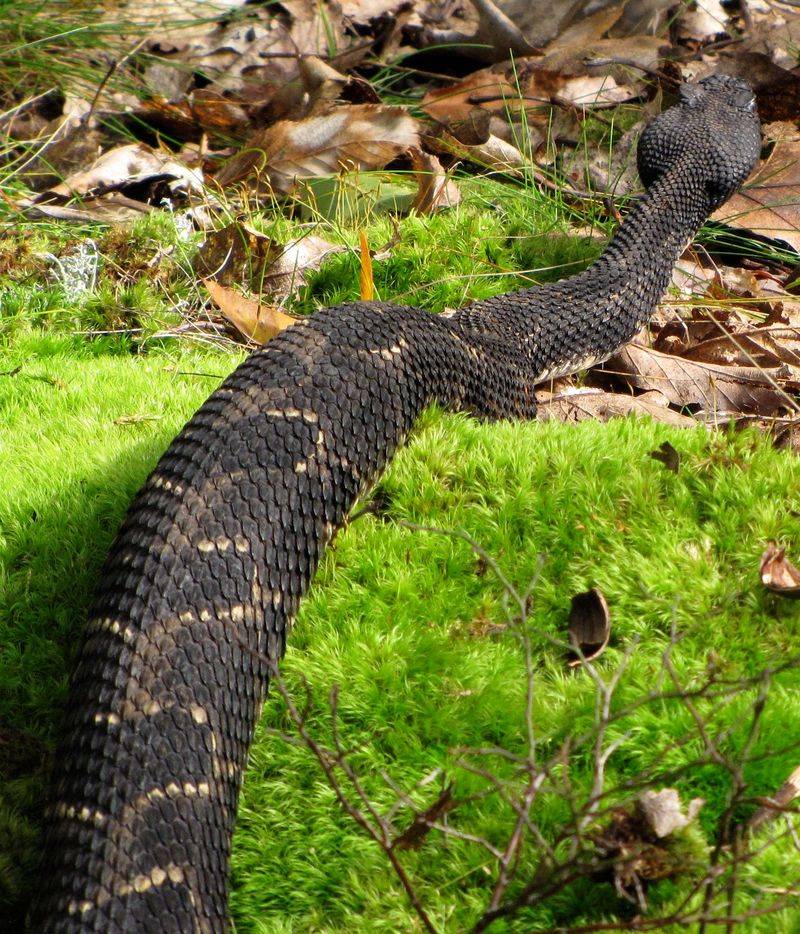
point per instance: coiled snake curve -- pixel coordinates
(224, 537)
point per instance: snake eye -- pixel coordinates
(744, 98)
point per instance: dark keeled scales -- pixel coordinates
(224, 538)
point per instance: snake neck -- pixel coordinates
(577, 322)
(642, 253)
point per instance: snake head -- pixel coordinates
(713, 132)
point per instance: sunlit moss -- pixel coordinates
(397, 619)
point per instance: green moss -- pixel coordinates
(406, 623)
(396, 618)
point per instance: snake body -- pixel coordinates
(207, 571)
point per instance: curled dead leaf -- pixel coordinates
(240, 255)
(112, 208)
(589, 626)
(523, 88)
(435, 189)
(499, 31)
(127, 169)
(473, 141)
(663, 812)
(778, 574)
(717, 390)
(257, 323)
(294, 260)
(235, 254)
(487, 88)
(361, 136)
(579, 405)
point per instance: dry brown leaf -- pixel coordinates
(624, 54)
(741, 290)
(783, 325)
(484, 39)
(753, 347)
(488, 88)
(174, 23)
(519, 26)
(252, 54)
(236, 254)
(596, 91)
(778, 574)
(702, 22)
(735, 281)
(254, 321)
(435, 189)
(785, 436)
(522, 87)
(322, 83)
(245, 56)
(364, 11)
(585, 50)
(769, 205)
(256, 63)
(498, 30)
(698, 272)
(112, 208)
(775, 33)
(589, 626)
(288, 270)
(615, 172)
(63, 157)
(240, 255)
(597, 404)
(580, 32)
(724, 331)
(676, 332)
(126, 167)
(494, 153)
(690, 278)
(361, 136)
(316, 27)
(719, 391)
(642, 16)
(203, 111)
(473, 141)
(663, 811)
